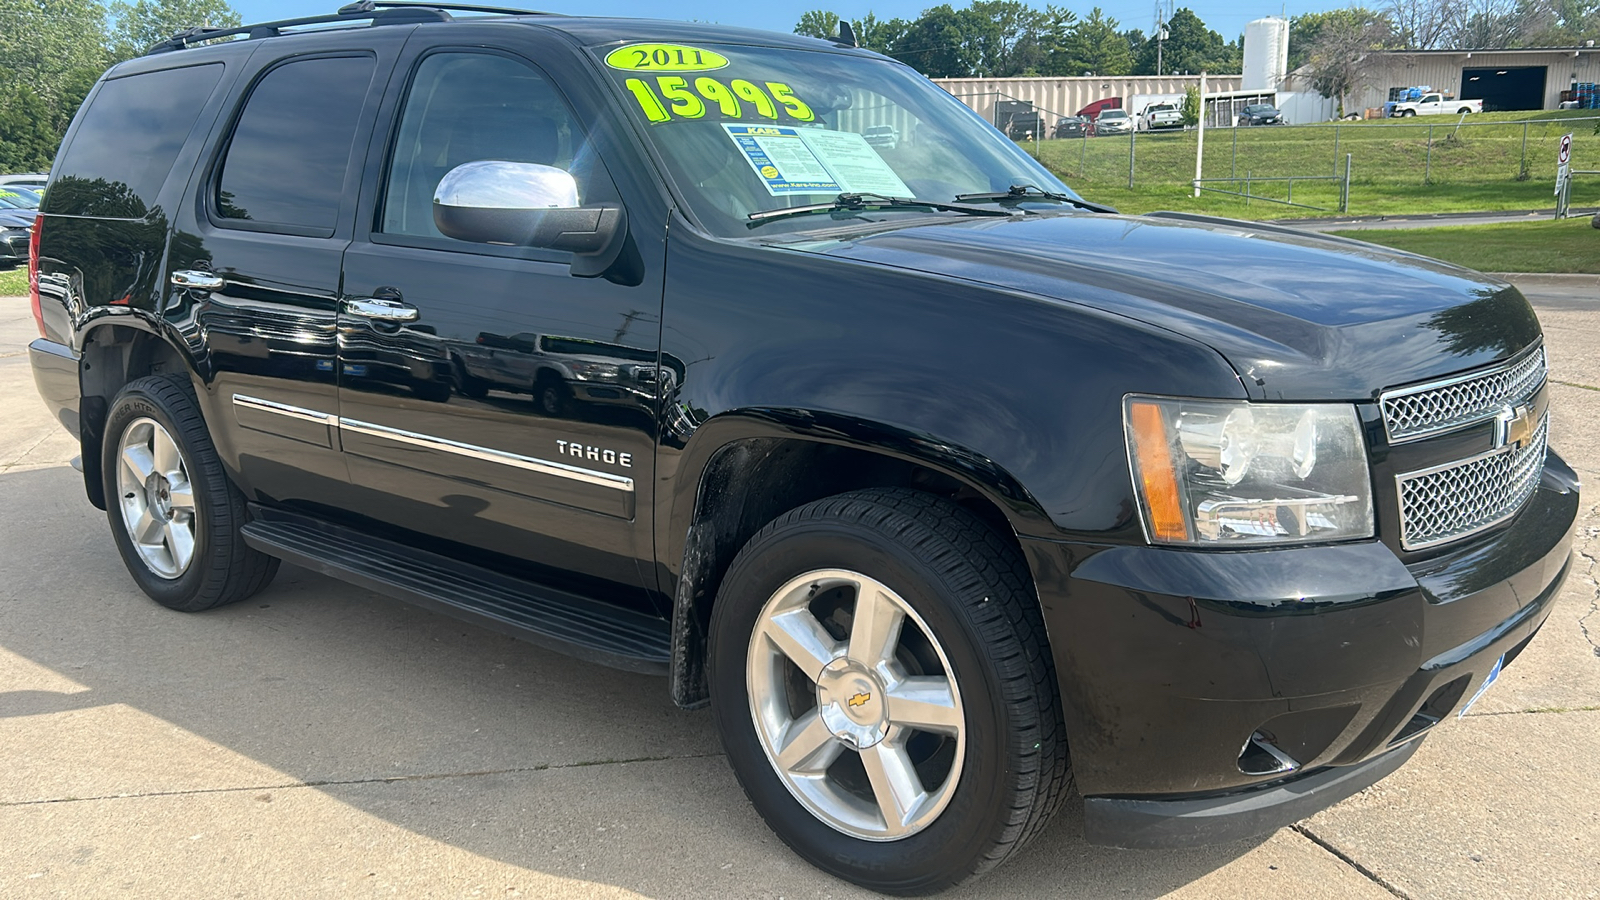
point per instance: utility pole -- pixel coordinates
(1161, 38)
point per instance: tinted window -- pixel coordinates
(128, 140)
(464, 107)
(287, 161)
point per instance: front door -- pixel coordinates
(487, 396)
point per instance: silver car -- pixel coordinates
(1113, 121)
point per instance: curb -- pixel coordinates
(1550, 280)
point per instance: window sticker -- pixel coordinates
(665, 58)
(686, 98)
(782, 160)
(814, 161)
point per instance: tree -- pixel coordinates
(1092, 44)
(1422, 24)
(942, 43)
(1008, 33)
(146, 22)
(45, 42)
(818, 23)
(1191, 106)
(1334, 59)
(27, 140)
(1190, 47)
(1306, 30)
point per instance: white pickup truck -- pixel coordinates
(1161, 115)
(1436, 105)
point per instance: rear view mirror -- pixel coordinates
(528, 205)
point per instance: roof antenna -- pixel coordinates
(847, 35)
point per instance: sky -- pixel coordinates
(1227, 18)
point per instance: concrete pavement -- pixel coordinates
(322, 741)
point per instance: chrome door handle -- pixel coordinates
(196, 280)
(382, 310)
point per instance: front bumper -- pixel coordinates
(1172, 663)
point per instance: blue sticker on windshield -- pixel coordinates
(782, 160)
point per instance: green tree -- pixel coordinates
(818, 23)
(1190, 47)
(1008, 34)
(146, 22)
(1191, 106)
(27, 140)
(943, 43)
(1092, 45)
(45, 43)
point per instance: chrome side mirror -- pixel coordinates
(528, 205)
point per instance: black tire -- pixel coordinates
(469, 385)
(223, 569)
(974, 592)
(550, 394)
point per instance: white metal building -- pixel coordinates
(1065, 96)
(1503, 79)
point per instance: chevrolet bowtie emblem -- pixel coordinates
(1513, 426)
(860, 699)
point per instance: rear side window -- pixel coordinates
(128, 140)
(286, 164)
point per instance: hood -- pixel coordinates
(17, 218)
(1299, 316)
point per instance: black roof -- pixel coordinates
(586, 30)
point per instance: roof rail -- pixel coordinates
(374, 11)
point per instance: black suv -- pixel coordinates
(622, 337)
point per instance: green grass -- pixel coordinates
(1569, 246)
(1396, 168)
(14, 283)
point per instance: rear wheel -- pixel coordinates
(174, 514)
(884, 692)
(1463, 111)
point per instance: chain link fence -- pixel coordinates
(1449, 152)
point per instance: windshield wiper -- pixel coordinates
(860, 201)
(1020, 192)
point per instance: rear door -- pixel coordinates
(253, 266)
(487, 396)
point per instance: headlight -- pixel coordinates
(1231, 473)
(586, 371)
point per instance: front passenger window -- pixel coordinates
(465, 107)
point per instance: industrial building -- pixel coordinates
(1502, 79)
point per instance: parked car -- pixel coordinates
(31, 180)
(885, 136)
(1160, 116)
(917, 511)
(13, 197)
(1435, 105)
(1026, 127)
(1260, 114)
(15, 227)
(1113, 121)
(1073, 127)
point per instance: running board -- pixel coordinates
(556, 620)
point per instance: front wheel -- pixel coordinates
(175, 516)
(883, 690)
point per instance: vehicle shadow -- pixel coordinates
(445, 730)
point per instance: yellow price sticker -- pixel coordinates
(665, 58)
(686, 100)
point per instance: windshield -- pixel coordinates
(1257, 110)
(747, 129)
(1113, 114)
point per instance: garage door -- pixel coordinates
(1516, 87)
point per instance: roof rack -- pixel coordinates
(375, 12)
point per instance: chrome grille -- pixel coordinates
(1412, 413)
(1450, 502)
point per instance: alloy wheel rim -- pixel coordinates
(856, 710)
(157, 498)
